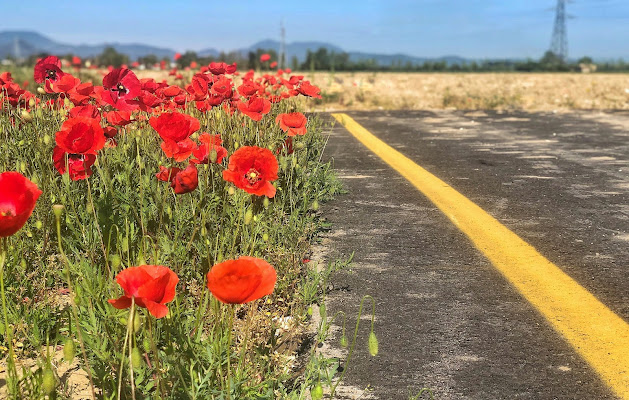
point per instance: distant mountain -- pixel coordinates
(27, 43)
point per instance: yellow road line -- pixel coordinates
(598, 335)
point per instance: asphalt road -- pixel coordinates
(446, 319)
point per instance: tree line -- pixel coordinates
(325, 60)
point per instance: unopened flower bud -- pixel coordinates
(137, 323)
(57, 209)
(373, 344)
(343, 341)
(213, 156)
(136, 358)
(265, 237)
(68, 350)
(265, 202)
(49, 382)
(299, 145)
(115, 261)
(46, 139)
(32, 102)
(248, 216)
(315, 205)
(26, 116)
(317, 392)
(231, 191)
(41, 90)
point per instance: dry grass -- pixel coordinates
(534, 92)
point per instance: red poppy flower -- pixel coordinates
(182, 181)
(80, 135)
(249, 88)
(178, 150)
(166, 174)
(48, 68)
(121, 87)
(273, 64)
(81, 93)
(88, 111)
(308, 89)
(220, 68)
(118, 118)
(252, 169)
(265, 57)
(292, 123)
(241, 281)
(185, 181)
(177, 56)
(175, 126)
(209, 144)
(18, 196)
(255, 108)
(152, 286)
(79, 166)
(223, 87)
(64, 84)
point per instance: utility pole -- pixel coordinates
(559, 41)
(282, 55)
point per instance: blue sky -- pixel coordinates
(469, 28)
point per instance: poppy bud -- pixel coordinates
(315, 205)
(115, 261)
(317, 392)
(265, 237)
(265, 202)
(299, 145)
(26, 116)
(283, 163)
(236, 145)
(22, 167)
(41, 90)
(310, 311)
(23, 263)
(137, 323)
(68, 350)
(125, 245)
(49, 382)
(39, 113)
(32, 102)
(373, 344)
(343, 341)
(57, 209)
(248, 216)
(231, 191)
(213, 156)
(46, 139)
(39, 224)
(67, 103)
(136, 358)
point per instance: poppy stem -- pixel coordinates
(229, 345)
(351, 349)
(130, 339)
(158, 374)
(57, 211)
(11, 371)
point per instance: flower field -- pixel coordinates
(154, 234)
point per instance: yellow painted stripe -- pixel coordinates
(598, 335)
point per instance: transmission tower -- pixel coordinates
(282, 55)
(559, 41)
